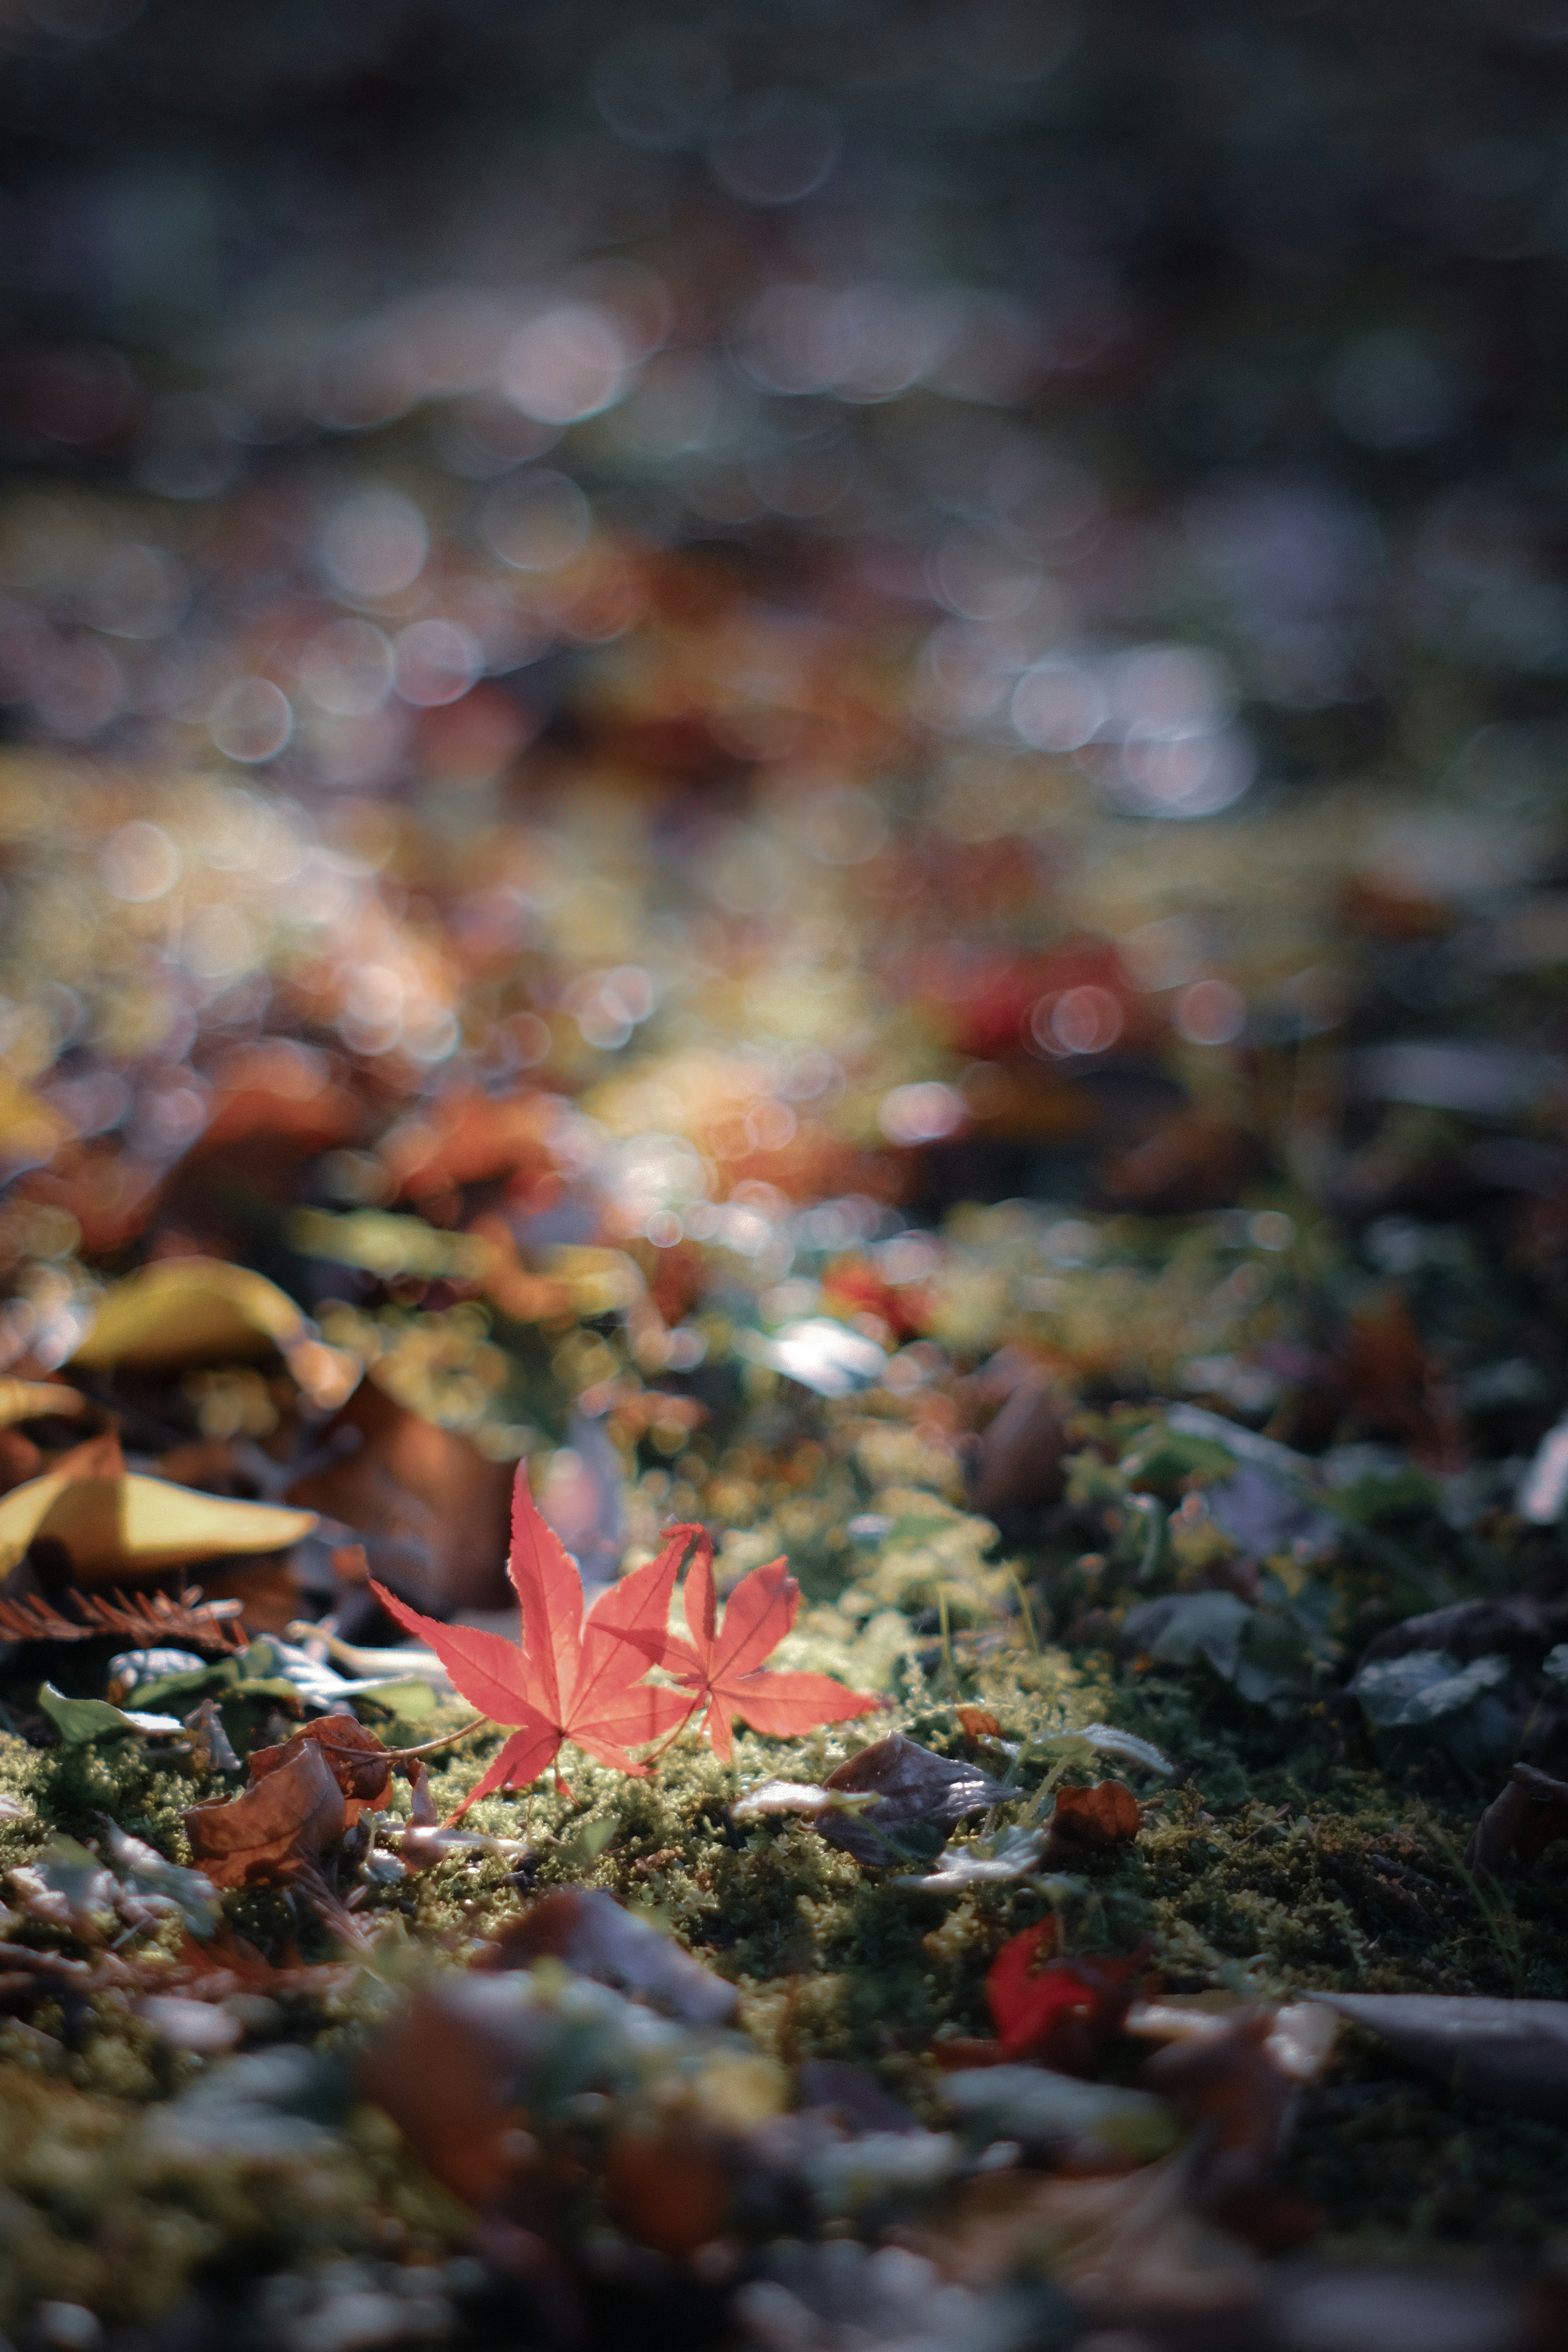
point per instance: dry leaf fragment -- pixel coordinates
(1509, 2053)
(979, 1723)
(1229, 2087)
(597, 1936)
(1093, 1821)
(35, 1400)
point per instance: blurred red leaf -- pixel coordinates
(569, 1679)
(979, 1723)
(1059, 2012)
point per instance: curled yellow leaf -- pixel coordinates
(132, 1526)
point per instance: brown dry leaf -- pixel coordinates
(1094, 1820)
(913, 1786)
(1519, 1824)
(979, 1723)
(1016, 1464)
(436, 1510)
(1229, 2085)
(596, 1936)
(272, 1829)
(670, 2189)
(363, 1775)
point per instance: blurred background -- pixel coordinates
(792, 690)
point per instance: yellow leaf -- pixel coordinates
(201, 1311)
(28, 1399)
(132, 1526)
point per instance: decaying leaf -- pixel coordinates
(1228, 2087)
(916, 1792)
(571, 1679)
(430, 1508)
(722, 1667)
(1016, 1464)
(359, 1762)
(1093, 1821)
(281, 1821)
(129, 1525)
(1509, 2053)
(1520, 1823)
(979, 1723)
(597, 1936)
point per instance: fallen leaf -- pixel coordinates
(82, 1720)
(146, 1872)
(181, 1311)
(1094, 1820)
(1016, 1464)
(1124, 2249)
(1520, 1823)
(429, 1508)
(1229, 2087)
(722, 1667)
(1508, 2054)
(916, 1791)
(1103, 1739)
(596, 1936)
(570, 1679)
(266, 1833)
(1060, 2013)
(359, 1762)
(979, 1723)
(132, 1526)
(38, 1400)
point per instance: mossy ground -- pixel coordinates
(1283, 1856)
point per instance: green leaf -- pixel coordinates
(79, 1720)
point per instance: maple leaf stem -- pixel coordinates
(654, 1756)
(406, 1755)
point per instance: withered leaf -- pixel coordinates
(357, 1759)
(1095, 1819)
(1520, 1823)
(596, 1936)
(979, 1723)
(916, 1790)
(283, 1822)
(1509, 2053)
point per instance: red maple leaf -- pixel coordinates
(724, 1671)
(572, 1678)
